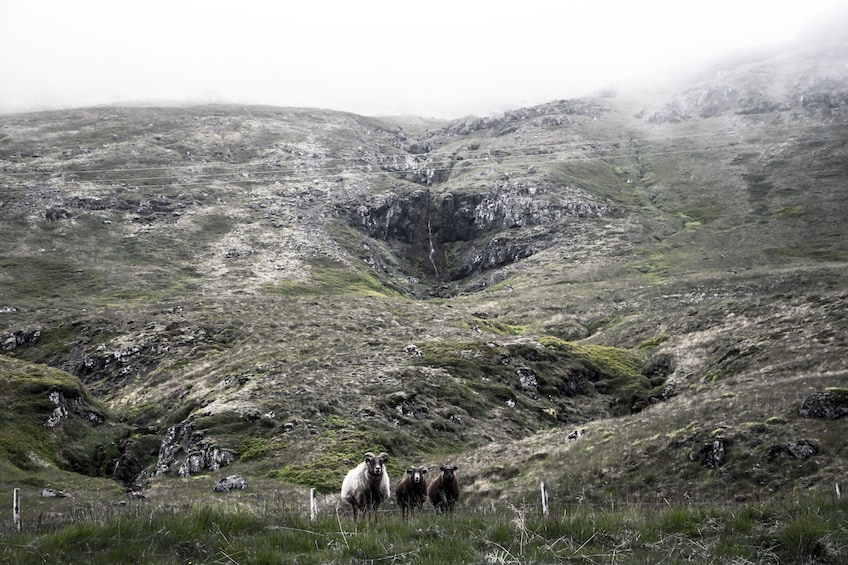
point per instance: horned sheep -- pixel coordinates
(411, 491)
(367, 485)
(443, 492)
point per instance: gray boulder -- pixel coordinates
(802, 449)
(830, 404)
(233, 482)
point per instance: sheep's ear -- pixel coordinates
(423, 470)
(442, 467)
(384, 456)
(455, 467)
(410, 471)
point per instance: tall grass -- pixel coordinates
(805, 531)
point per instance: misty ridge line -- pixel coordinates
(644, 44)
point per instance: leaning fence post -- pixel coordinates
(544, 499)
(16, 509)
(313, 506)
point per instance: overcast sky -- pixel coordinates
(428, 58)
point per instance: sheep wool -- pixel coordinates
(367, 485)
(411, 491)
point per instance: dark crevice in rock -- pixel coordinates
(442, 236)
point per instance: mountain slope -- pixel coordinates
(276, 291)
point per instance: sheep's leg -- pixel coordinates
(443, 501)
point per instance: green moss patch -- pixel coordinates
(497, 327)
(333, 279)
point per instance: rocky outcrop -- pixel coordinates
(60, 412)
(388, 216)
(464, 217)
(416, 168)
(831, 405)
(10, 342)
(802, 449)
(185, 449)
(65, 407)
(713, 454)
(815, 92)
(233, 482)
(479, 230)
(496, 252)
(715, 101)
(553, 114)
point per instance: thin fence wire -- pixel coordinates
(329, 507)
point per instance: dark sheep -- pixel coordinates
(443, 492)
(367, 485)
(411, 491)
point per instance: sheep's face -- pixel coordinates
(417, 474)
(448, 472)
(375, 464)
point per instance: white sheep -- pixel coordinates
(367, 485)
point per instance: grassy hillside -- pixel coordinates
(626, 299)
(52, 423)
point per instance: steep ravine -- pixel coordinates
(445, 235)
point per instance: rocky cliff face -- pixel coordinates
(458, 233)
(185, 451)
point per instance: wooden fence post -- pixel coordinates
(838, 491)
(313, 505)
(16, 509)
(544, 499)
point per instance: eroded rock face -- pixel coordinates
(392, 216)
(183, 448)
(462, 233)
(10, 342)
(464, 217)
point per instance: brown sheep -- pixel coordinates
(411, 491)
(443, 492)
